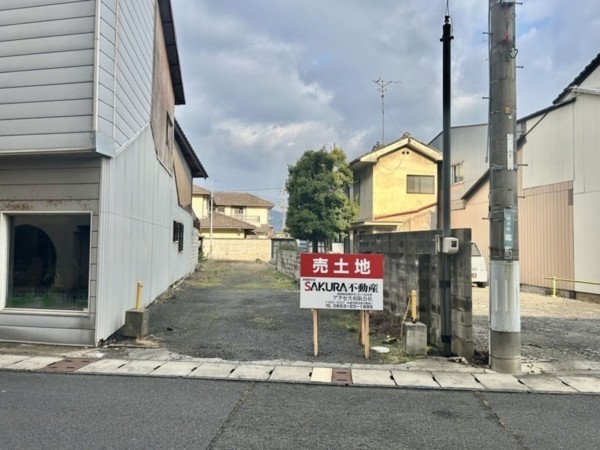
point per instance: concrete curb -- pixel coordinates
(430, 374)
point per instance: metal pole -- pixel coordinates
(444, 259)
(505, 319)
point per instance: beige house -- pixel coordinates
(559, 189)
(238, 227)
(395, 187)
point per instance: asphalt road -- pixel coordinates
(100, 412)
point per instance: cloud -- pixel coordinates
(265, 79)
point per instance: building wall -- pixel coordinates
(43, 184)
(469, 147)
(137, 210)
(124, 78)
(390, 174)
(183, 178)
(201, 206)
(223, 233)
(363, 184)
(46, 75)
(586, 188)
(548, 154)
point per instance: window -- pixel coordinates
(420, 184)
(48, 261)
(178, 235)
(170, 133)
(238, 210)
(457, 173)
(220, 209)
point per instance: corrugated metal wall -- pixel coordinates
(124, 82)
(46, 74)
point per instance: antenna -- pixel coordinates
(381, 87)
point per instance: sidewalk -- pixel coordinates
(428, 373)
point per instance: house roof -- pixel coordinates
(406, 140)
(199, 190)
(240, 199)
(166, 17)
(593, 65)
(189, 154)
(221, 221)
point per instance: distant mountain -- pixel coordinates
(276, 220)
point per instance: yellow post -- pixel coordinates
(138, 296)
(413, 302)
(554, 286)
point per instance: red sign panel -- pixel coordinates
(341, 281)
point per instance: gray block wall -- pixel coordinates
(410, 262)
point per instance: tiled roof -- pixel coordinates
(240, 199)
(198, 190)
(221, 221)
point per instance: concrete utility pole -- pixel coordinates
(505, 318)
(444, 259)
(381, 87)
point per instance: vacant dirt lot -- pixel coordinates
(248, 311)
(560, 332)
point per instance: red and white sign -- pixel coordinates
(341, 281)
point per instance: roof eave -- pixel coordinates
(166, 17)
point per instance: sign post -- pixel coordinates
(342, 281)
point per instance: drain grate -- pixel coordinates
(68, 365)
(341, 376)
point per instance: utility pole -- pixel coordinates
(444, 259)
(381, 87)
(505, 318)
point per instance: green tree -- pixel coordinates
(319, 209)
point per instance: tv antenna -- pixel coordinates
(382, 87)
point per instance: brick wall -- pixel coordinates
(288, 262)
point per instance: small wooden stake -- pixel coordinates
(315, 317)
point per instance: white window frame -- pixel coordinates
(5, 245)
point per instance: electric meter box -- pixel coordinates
(448, 245)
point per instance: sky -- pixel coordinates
(266, 80)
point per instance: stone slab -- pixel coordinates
(251, 372)
(175, 369)
(294, 374)
(7, 360)
(213, 370)
(366, 377)
(103, 366)
(583, 384)
(321, 375)
(143, 367)
(500, 382)
(414, 378)
(546, 384)
(458, 380)
(34, 363)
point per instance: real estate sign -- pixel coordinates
(341, 281)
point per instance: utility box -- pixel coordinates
(448, 245)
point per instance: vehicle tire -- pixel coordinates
(481, 285)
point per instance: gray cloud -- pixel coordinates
(266, 80)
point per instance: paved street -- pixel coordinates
(70, 411)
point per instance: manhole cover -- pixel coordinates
(68, 365)
(341, 376)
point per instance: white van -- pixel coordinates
(479, 274)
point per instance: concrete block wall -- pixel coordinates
(239, 249)
(288, 262)
(410, 262)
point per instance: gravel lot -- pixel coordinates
(248, 311)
